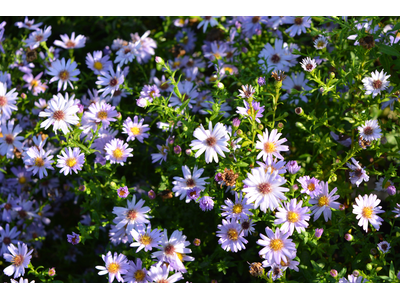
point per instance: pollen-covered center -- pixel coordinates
(58, 115)
(64, 75)
(39, 37)
(320, 44)
(70, 44)
(309, 66)
(39, 162)
(190, 183)
(135, 130)
(169, 249)
(9, 138)
(368, 130)
(265, 188)
(132, 214)
(377, 84)
(113, 267)
(384, 247)
(255, 19)
(298, 21)
(113, 82)
(367, 212)
(6, 240)
(276, 244)
(102, 115)
(145, 239)
(17, 260)
(269, 147)
(3, 101)
(245, 225)
(98, 66)
(21, 180)
(139, 275)
(70, 162)
(275, 58)
(323, 200)
(118, 153)
(311, 187)
(237, 208)
(34, 83)
(211, 141)
(292, 216)
(232, 234)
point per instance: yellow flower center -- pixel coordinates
(34, 83)
(237, 208)
(230, 70)
(139, 275)
(217, 56)
(323, 200)
(102, 115)
(311, 187)
(145, 239)
(276, 244)
(135, 130)
(98, 65)
(113, 267)
(320, 44)
(367, 212)
(387, 185)
(269, 147)
(176, 64)
(70, 162)
(233, 234)
(292, 216)
(64, 75)
(21, 180)
(17, 260)
(39, 162)
(117, 153)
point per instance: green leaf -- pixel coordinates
(389, 50)
(245, 143)
(392, 274)
(396, 27)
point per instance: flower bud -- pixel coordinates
(298, 110)
(260, 126)
(236, 122)
(356, 273)
(159, 60)
(220, 85)
(82, 188)
(188, 151)
(391, 190)
(348, 237)
(342, 207)
(23, 95)
(244, 50)
(293, 167)
(151, 194)
(334, 273)
(239, 132)
(332, 75)
(319, 232)
(374, 251)
(177, 149)
(280, 125)
(52, 272)
(81, 108)
(261, 81)
(196, 242)
(295, 187)
(369, 267)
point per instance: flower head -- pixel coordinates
(146, 239)
(9, 139)
(270, 144)
(64, 72)
(370, 131)
(71, 43)
(206, 203)
(321, 42)
(159, 273)
(376, 83)
(324, 202)
(238, 210)
(117, 151)
(38, 160)
(73, 238)
(292, 215)
(311, 186)
(358, 174)
(384, 246)
(123, 192)
(231, 236)
(308, 64)
(111, 80)
(71, 160)
(135, 129)
(353, 279)
(182, 185)
(136, 273)
(366, 209)
(115, 266)
(7, 101)
(97, 62)
(20, 259)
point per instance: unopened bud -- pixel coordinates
(220, 85)
(196, 242)
(332, 75)
(188, 151)
(151, 194)
(82, 188)
(334, 273)
(159, 60)
(348, 237)
(260, 126)
(319, 232)
(177, 149)
(298, 110)
(23, 95)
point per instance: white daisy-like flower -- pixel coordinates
(136, 273)
(97, 62)
(359, 174)
(376, 83)
(321, 42)
(7, 101)
(71, 160)
(115, 266)
(270, 144)
(38, 36)
(231, 236)
(126, 54)
(182, 185)
(384, 246)
(370, 131)
(20, 258)
(308, 64)
(324, 202)
(159, 273)
(117, 151)
(292, 215)
(9, 139)
(264, 189)
(238, 210)
(212, 141)
(38, 160)
(145, 239)
(101, 112)
(135, 129)
(64, 72)
(71, 43)
(61, 113)
(366, 210)
(111, 80)
(132, 215)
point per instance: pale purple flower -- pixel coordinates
(367, 210)
(111, 80)
(29, 24)
(123, 192)
(384, 246)
(101, 112)
(182, 185)
(359, 174)
(115, 266)
(255, 111)
(135, 129)
(73, 238)
(71, 160)
(318, 232)
(9, 139)
(324, 202)
(117, 151)
(370, 131)
(8, 237)
(159, 273)
(20, 259)
(293, 167)
(308, 64)
(206, 203)
(310, 186)
(161, 155)
(64, 72)
(299, 25)
(71, 43)
(37, 160)
(353, 279)
(97, 62)
(238, 210)
(146, 238)
(293, 215)
(38, 36)
(7, 101)
(376, 83)
(270, 144)
(231, 237)
(136, 273)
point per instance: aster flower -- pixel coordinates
(397, 210)
(174, 251)
(20, 258)
(21, 280)
(206, 203)
(247, 225)
(271, 164)
(71, 160)
(238, 210)
(117, 151)
(71, 43)
(321, 42)
(29, 24)
(264, 189)
(34, 84)
(61, 113)
(353, 279)
(379, 184)
(188, 90)
(38, 160)
(277, 246)
(132, 215)
(207, 20)
(255, 111)
(376, 83)
(212, 141)
(366, 210)
(64, 72)
(97, 62)
(135, 129)
(292, 215)
(370, 131)
(9, 139)
(126, 54)
(111, 80)
(296, 82)
(358, 174)
(251, 25)
(146, 46)
(247, 91)
(231, 236)
(384, 246)
(299, 25)
(161, 155)
(38, 36)
(73, 238)
(7, 101)
(293, 167)
(101, 112)
(10, 208)
(324, 202)
(8, 237)
(159, 273)
(145, 239)
(115, 266)
(182, 185)
(308, 64)
(136, 273)
(278, 58)
(123, 192)
(310, 186)
(270, 144)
